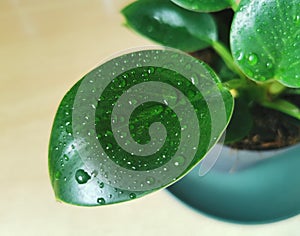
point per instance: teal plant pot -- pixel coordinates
(246, 186)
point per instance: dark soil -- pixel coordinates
(271, 129)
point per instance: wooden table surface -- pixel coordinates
(45, 47)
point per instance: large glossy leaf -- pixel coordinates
(265, 39)
(171, 25)
(135, 125)
(204, 5)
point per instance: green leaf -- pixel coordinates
(204, 5)
(241, 122)
(265, 38)
(177, 115)
(171, 25)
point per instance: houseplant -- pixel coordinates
(261, 73)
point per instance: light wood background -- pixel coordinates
(45, 47)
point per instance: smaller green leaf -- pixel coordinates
(171, 25)
(204, 5)
(241, 122)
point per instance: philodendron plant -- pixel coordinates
(141, 121)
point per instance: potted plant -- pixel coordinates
(252, 91)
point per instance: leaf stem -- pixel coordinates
(283, 106)
(275, 88)
(234, 5)
(226, 56)
(293, 91)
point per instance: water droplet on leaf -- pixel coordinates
(94, 173)
(82, 176)
(101, 201)
(179, 160)
(57, 175)
(150, 29)
(122, 83)
(269, 65)
(240, 56)
(252, 59)
(150, 180)
(151, 70)
(66, 157)
(109, 146)
(188, 66)
(132, 195)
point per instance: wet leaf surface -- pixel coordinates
(265, 38)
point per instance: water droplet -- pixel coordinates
(123, 135)
(101, 201)
(108, 146)
(191, 94)
(57, 175)
(132, 195)
(133, 102)
(94, 173)
(82, 176)
(252, 59)
(188, 66)
(240, 56)
(151, 70)
(297, 18)
(66, 157)
(269, 65)
(121, 119)
(101, 185)
(179, 160)
(150, 180)
(125, 76)
(108, 133)
(122, 83)
(150, 29)
(194, 80)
